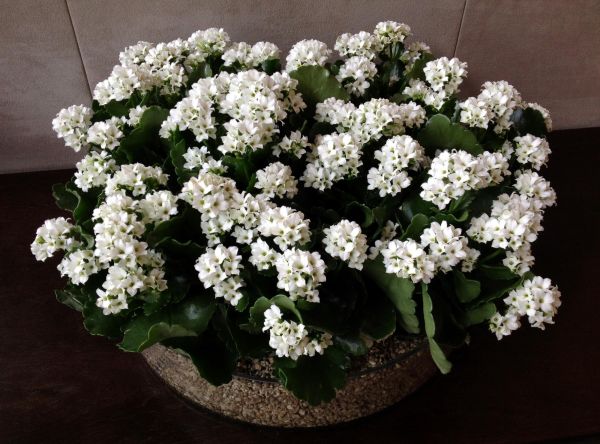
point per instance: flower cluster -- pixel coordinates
(440, 249)
(453, 173)
(346, 241)
(537, 299)
(399, 154)
(220, 268)
(290, 339)
(443, 76)
(223, 189)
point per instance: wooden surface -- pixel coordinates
(58, 384)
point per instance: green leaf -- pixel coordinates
(176, 152)
(479, 314)
(379, 317)
(143, 143)
(466, 289)
(313, 379)
(360, 213)
(416, 72)
(414, 205)
(189, 318)
(97, 323)
(317, 84)
(352, 344)
(529, 121)
(271, 66)
(398, 290)
(497, 272)
(257, 311)
(417, 226)
(72, 297)
(439, 357)
(65, 199)
(214, 361)
(441, 133)
(286, 304)
(436, 352)
(237, 340)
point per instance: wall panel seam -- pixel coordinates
(462, 19)
(87, 80)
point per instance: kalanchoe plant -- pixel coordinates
(228, 208)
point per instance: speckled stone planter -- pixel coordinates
(266, 402)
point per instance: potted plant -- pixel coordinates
(273, 234)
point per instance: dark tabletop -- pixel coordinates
(59, 384)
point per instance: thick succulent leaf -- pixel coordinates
(214, 361)
(314, 379)
(479, 314)
(317, 84)
(398, 290)
(143, 143)
(379, 318)
(529, 121)
(466, 289)
(97, 323)
(430, 329)
(416, 227)
(189, 318)
(441, 133)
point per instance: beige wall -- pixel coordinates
(53, 51)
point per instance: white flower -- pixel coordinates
(198, 159)
(290, 339)
(79, 266)
(135, 115)
(445, 74)
(519, 261)
(362, 44)
(71, 124)
(94, 170)
(391, 32)
(534, 186)
(537, 299)
(445, 244)
(105, 134)
(355, 74)
(397, 155)
(453, 173)
(533, 150)
(211, 41)
(262, 256)
(276, 179)
(475, 113)
(335, 111)
(307, 52)
(51, 237)
(287, 227)
(346, 241)
(387, 234)
(407, 259)
(250, 56)
(504, 325)
(501, 99)
(229, 289)
(334, 157)
(136, 177)
(158, 206)
(294, 144)
(300, 273)
(218, 264)
(468, 262)
(514, 221)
